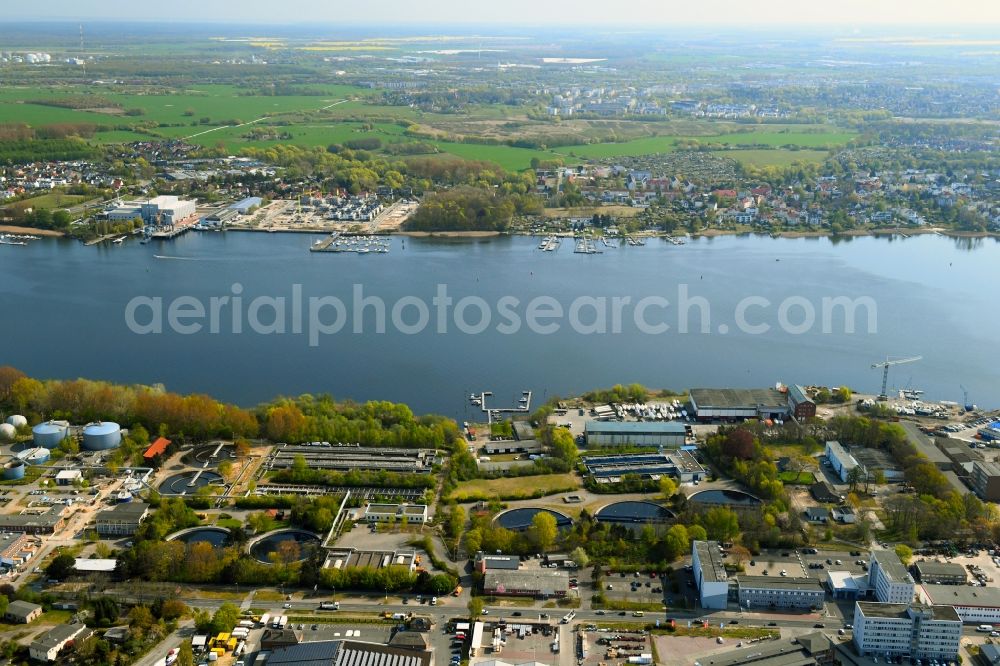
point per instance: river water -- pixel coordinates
(64, 314)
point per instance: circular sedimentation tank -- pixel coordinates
(728, 497)
(203, 455)
(187, 483)
(270, 547)
(50, 433)
(102, 436)
(634, 513)
(17, 421)
(36, 456)
(217, 536)
(520, 519)
(13, 469)
(7, 432)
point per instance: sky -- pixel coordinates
(549, 13)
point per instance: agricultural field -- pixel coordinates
(237, 117)
(515, 487)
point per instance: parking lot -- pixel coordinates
(676, 591)
(605, 645)
(385, 538)
(526, 639)
(797, 564)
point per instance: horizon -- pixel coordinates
(645, 14)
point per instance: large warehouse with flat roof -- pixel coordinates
(975, 605)
(739, 404)
(670, 434)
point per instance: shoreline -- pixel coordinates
(450, 234)
(30, 231)
(896, 231)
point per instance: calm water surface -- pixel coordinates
(64, 304)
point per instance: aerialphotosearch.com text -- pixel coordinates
(319, 317)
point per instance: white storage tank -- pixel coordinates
(102, 436)
(7, 432)
(17, 421)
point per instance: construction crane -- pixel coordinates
(885, 365)
(969, 407)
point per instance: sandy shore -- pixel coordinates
(28, 231)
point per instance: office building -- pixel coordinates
(892, 583)
(710, 574)
(771, 592)
(905, 630)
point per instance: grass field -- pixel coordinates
(797, 478)
(777, 157)
(51, 201)
(664, 144)
(218, 102)
(334, 115)
(514, 159)
(509, 488)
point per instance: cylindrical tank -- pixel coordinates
(50, 433)
(17, 421)
(102, 436)
(13, 470)
(7, 432)
(36, 456)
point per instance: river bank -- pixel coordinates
(449, 234)
(823, 233)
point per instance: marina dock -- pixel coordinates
(586, 245)
(336, 242)
(323, 244)
(479, 400)
(550, 244)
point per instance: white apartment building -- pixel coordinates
(914, 631)
(892, 583)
